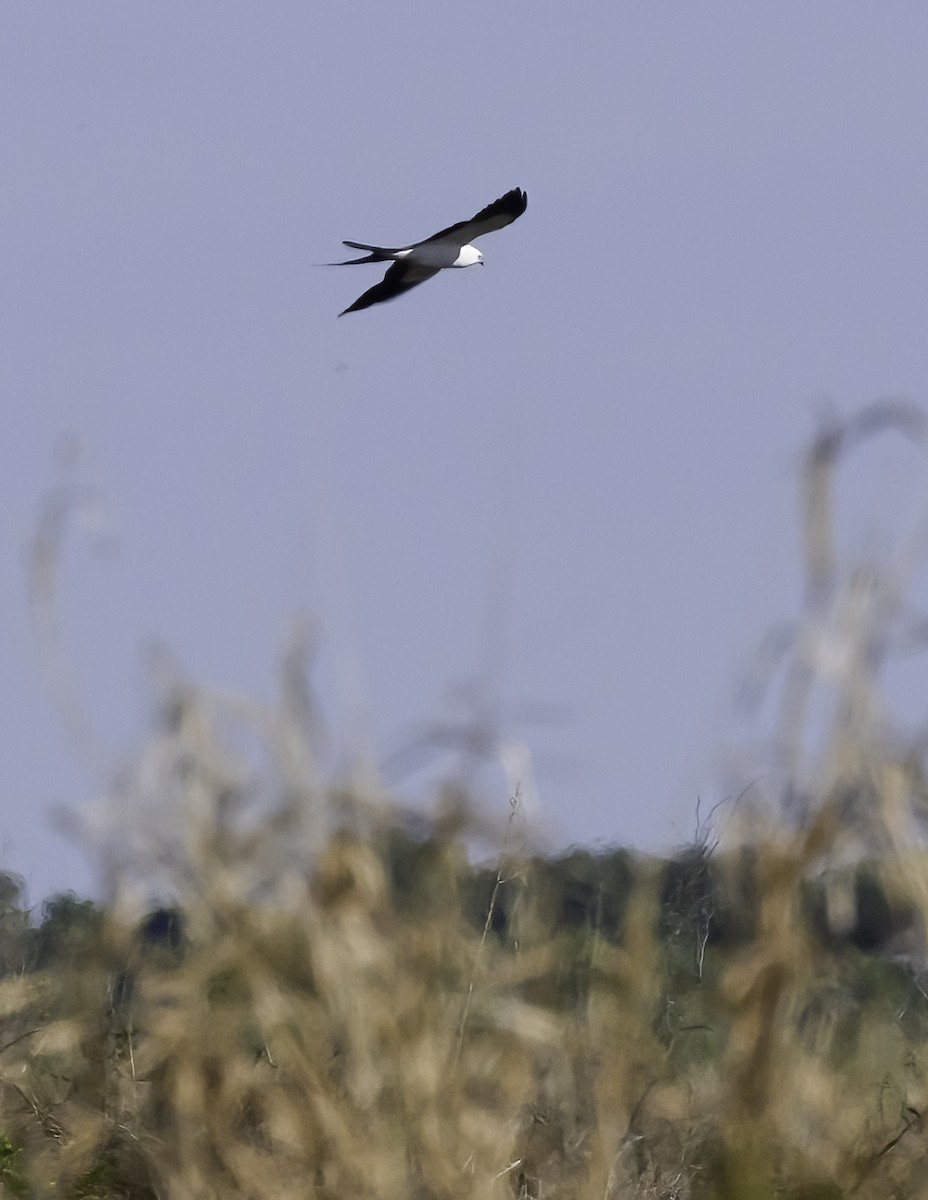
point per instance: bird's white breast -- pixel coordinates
(441, 254)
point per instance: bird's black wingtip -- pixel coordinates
(515, 201)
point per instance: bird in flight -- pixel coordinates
(449, 248)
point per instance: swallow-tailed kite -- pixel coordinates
(449, 248)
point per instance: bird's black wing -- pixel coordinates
(500, 213)
(399, 278)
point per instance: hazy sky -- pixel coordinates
(568, 478)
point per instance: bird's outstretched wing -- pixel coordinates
(500, 213)
(399, 278)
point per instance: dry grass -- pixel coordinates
(360, 1013)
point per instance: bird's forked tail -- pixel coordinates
(377, 254)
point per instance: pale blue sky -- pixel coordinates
(594, 439)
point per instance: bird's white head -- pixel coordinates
(468, 257)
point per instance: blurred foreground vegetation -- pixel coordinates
(582, 1025)
(337, 999)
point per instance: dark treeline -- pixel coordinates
(707, 901)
